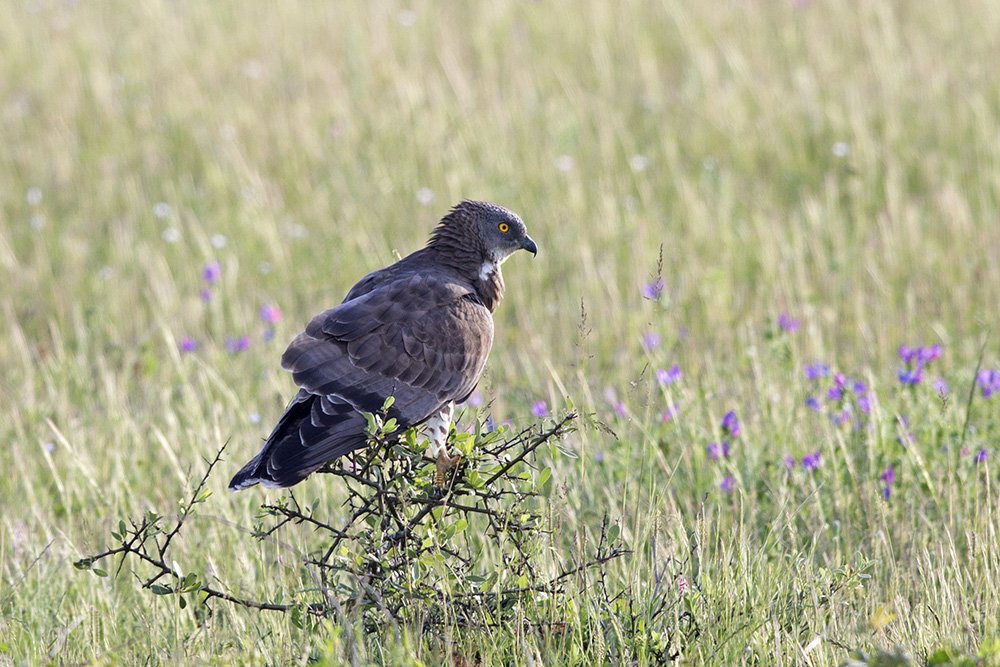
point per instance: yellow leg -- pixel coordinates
(444, 464)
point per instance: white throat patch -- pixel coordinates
(487, 270)
(491, 265)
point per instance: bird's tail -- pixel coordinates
(313, 431)
(247, 476)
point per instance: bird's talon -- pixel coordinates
(444, 464)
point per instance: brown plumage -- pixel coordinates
(419, 331)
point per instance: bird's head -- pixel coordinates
(497, 232)
(503, 232)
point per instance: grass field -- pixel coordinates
(816, 185)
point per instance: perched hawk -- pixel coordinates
(419, 330)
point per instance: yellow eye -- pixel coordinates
(504, 227)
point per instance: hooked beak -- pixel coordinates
(529, 245)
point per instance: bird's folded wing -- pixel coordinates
(422, 338)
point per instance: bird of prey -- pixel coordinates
(419, 331)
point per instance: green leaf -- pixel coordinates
(160, 589)
(473, 479)
(100, 573)
(388, 403)
(452, 529)
(464, 443)
(372, 425)
(84, 564)
(297, 616)
(566, 452)
(190, 583)
(543, 477)
(613, 532)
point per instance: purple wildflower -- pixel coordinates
(916, 358)
(889, 476)
(539, 409)
(669, 414)
(731, 425)
(206, 295)
(989, 382)
(860, 389)
(651, 341)
(844, 417)
(864, 404)
(621, 409)
(888, 479)
(981, 458)
(237, 345)
(786, 323)
(929, 354)
(599, 457)
(715, 451)
(834, 394)
(188, 344)
(653, 290)
(270, 314)
(789, 462)
(665, 377)
(475, 400)
(941, 387)
(814, 403)
(812, 461)
(212, 272)
(728, 484)
(817, 371)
